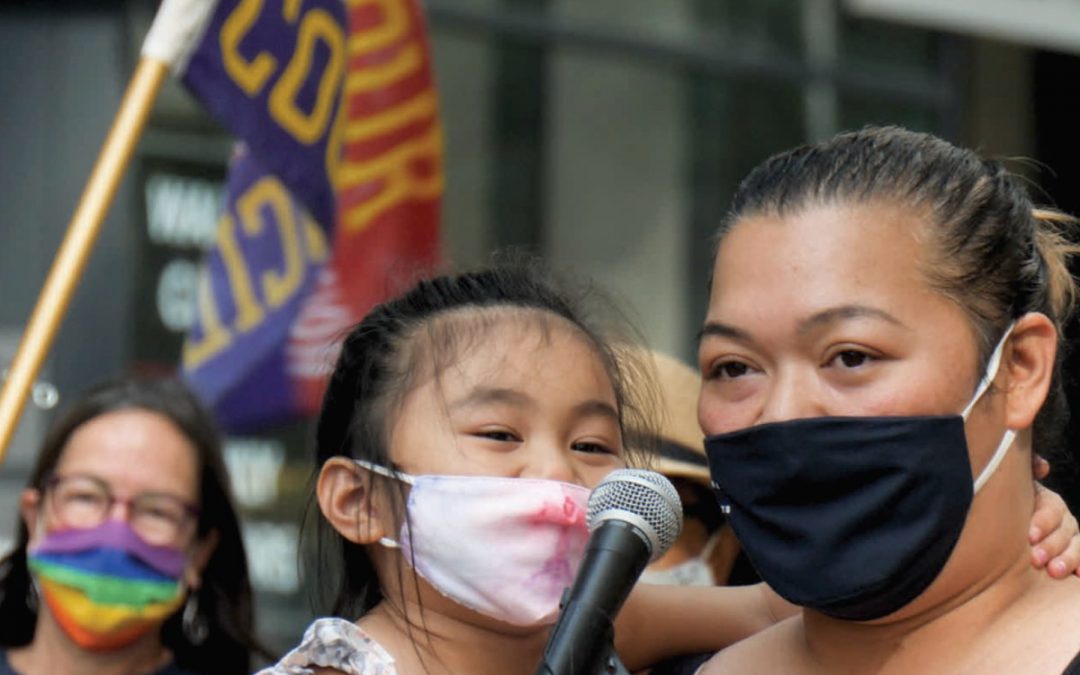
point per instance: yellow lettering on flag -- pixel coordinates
(410, 169)
(394, 26)
(248, 75)
(317, 26)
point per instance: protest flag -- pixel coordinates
(335, 187)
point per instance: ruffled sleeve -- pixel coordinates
(335, 643)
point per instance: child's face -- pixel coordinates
(520, 402)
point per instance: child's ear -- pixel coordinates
(344, 491)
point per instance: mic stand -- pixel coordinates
(582, 640)
(582, 620)
(610, 665)
(614, 665)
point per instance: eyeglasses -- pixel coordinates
(82, 502)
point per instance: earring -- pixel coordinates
(32, 597)
(193, 623)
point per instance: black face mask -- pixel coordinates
(851, 516)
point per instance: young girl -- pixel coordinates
(462, 429)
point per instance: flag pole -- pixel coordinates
(174, 33)
(83, 230)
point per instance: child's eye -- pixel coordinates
(592, 448)
(499, 435)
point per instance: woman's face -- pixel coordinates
(824, 312)
(526, 400)
(132, 454)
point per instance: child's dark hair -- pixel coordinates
(407, 338)
(988, 248)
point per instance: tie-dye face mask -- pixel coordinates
(105, 586)
(504, 547)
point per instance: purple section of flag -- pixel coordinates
(247, 392)
(257, 78)
(118, 535)
(245, 381)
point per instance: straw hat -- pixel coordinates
(682, 451)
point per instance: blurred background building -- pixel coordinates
(607, 135)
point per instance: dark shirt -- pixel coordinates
(688, 665)
(680, 665)
(171, 669)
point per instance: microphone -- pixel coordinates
(634, 517)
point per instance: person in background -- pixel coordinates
(706, 551)
(128, 557)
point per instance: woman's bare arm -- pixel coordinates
(658, 622)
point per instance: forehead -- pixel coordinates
(507, 345)
(133, 451)
(822, 256)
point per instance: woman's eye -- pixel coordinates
(84, 498)
(850, 358)
(729, 370)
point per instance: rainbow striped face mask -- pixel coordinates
(105, 586)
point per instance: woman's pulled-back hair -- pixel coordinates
(224, 598)
(989, 249)
(417, 335)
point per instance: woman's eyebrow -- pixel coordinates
(834, 315)
(718, 329)
(813, 322)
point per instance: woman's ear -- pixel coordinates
(204, 548)
(30, 508)
(1029, 366)
(344, 491)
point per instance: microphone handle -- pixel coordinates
(581, 641)
(614, 664)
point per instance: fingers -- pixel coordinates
(1054, 535)
(1067, 563)
(1059, 553)
(1040, 467)
(1049, 513)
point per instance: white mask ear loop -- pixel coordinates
(389, 473)
(1010, 435)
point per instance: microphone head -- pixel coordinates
(645, 499)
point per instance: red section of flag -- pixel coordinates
(388, 183)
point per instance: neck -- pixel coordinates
(958, 621)
(51, 651)
(436, 642)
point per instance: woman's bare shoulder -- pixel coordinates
(1038, 633)
(773, 650)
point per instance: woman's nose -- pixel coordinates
(120, 510)
(791, 396)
